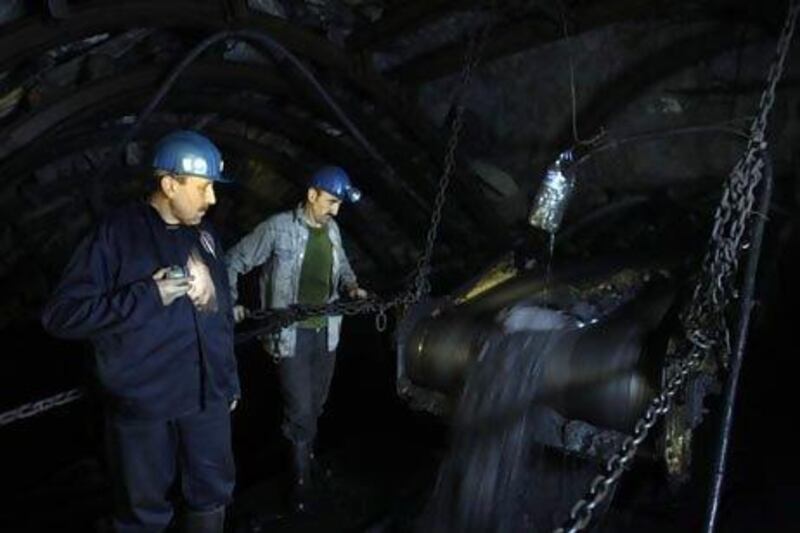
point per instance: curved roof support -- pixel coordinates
(615, 94)
(43, 132)
(31, 37)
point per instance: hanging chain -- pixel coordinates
(277, 319)
(40, 406)
(703, 322)
(738, 197)
(420, 285)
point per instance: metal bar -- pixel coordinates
(731, 386)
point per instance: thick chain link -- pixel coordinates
(275, 319)
(40, 406)
(730, 221)
(421, 286)
(581, 513)
(704, 321)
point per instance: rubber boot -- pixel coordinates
(301, 476)
(212, 521)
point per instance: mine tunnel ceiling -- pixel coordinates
(74, 76)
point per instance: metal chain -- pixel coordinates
(703, 322)
(739, 195)
(711, 295)
(280, 318)
(581, 513)
(420, 285)
(40, 406)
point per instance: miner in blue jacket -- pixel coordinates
(149, 288)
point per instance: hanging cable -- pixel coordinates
(247, 35)
(573, 91)
(613, 144)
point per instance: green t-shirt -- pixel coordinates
(315, 274)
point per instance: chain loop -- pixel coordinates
(420, 286)
(40, 406)
(381, 320)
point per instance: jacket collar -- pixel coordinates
(301, 218)
(300, 214)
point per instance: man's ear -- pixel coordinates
(312, 194)
(167, 184)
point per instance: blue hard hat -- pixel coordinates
(334, 180)
(187, 153)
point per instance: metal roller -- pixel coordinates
(602, 371)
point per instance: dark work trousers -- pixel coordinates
(146, 456)
(305, 381)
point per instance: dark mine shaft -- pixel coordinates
(392, 266)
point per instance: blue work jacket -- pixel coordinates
(153, 361)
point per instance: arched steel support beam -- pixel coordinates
(352, 222)
(30, 37)
(50, 133)
(534, 31)
(400, 18)
(610, 98)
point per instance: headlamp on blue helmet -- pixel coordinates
(187, 153)
(335, 181)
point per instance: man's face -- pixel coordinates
(321, 205)
(189, 197)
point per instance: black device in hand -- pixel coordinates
(177, 272)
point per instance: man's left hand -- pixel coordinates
(201, 291)
(357, 293)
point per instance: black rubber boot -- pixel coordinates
(205, 521)
(301, 476)
(321, 472)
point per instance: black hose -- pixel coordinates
(247, 35)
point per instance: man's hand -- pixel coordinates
(239, 313)
(170, 289)
(201, 290)
(356, 293)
